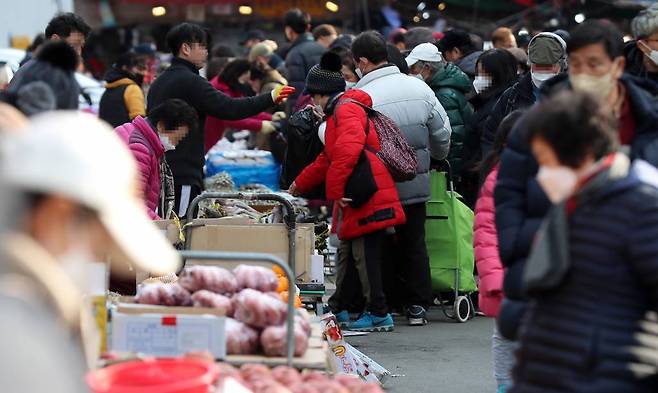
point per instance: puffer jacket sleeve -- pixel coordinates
(458, 113)
(215, 103)
(643, 247)
(143, 159)
(439, 127)
(314, 174)
(350, 127)
(133, 97)
(515, 230)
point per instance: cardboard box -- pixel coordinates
(168, 331)
(237, 234)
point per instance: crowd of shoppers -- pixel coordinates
(553, 143)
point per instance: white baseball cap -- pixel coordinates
(424, 52)
(79, 157)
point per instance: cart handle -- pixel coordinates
(254, 257)
(289, 218)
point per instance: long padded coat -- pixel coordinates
(485, 242)
(345, 138)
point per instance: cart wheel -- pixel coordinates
(462, 309)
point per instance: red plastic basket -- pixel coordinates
(182, 375)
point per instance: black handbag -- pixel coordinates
(361, 186)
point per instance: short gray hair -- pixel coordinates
(434, 66)
(645, 23)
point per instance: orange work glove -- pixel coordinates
(281, 93)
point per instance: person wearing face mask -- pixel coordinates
(642, 53)
(233, 81)
(413, 106)
(74, 202)
(350, 138)
(593, 272)
(123, 99)
(546, 55)
(450, 85)
(188, 43)
(148, 139)
(596, 67)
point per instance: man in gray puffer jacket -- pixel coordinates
(415, 109)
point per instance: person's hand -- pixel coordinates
(316, 111)
(343, 202)
(281, 93)
(11, 120)
(293, 190)
(267, 127)
(278, 116)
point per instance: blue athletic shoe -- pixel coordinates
(343, 318)
(501, 388)
(372, 323)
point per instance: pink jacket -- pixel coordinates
(144, 142)
(485, 241)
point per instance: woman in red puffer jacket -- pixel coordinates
(233, 81)
(361, 230)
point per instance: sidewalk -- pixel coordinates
(444, 356)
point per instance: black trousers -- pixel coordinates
(359, 269)
(407, 277)
(184, 194)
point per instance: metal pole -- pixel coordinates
(254, 257)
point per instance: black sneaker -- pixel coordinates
(416, 316)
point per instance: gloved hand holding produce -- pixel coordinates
(258, 309)
(281, 93)
(267, 127)
(205, 298)
(211, 278)
(163, 295)
(256, 277)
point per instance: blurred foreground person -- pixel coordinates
(592, 275)
(76, 188)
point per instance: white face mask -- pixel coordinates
(349, 85)
(481, 84)
(322, 129)
(538, 78)
(358, 73)
(599, 87)
(166, 143)
(559, 183)
(419, 76)
(653, 56)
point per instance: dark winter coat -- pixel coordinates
(597, 332)
(182, 80)
(451, 87)
(122, 101)
(345, 139)
(521, 203)
(520, 96)
(303, 54)
(468, 62)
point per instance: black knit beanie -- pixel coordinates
(325, 78)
